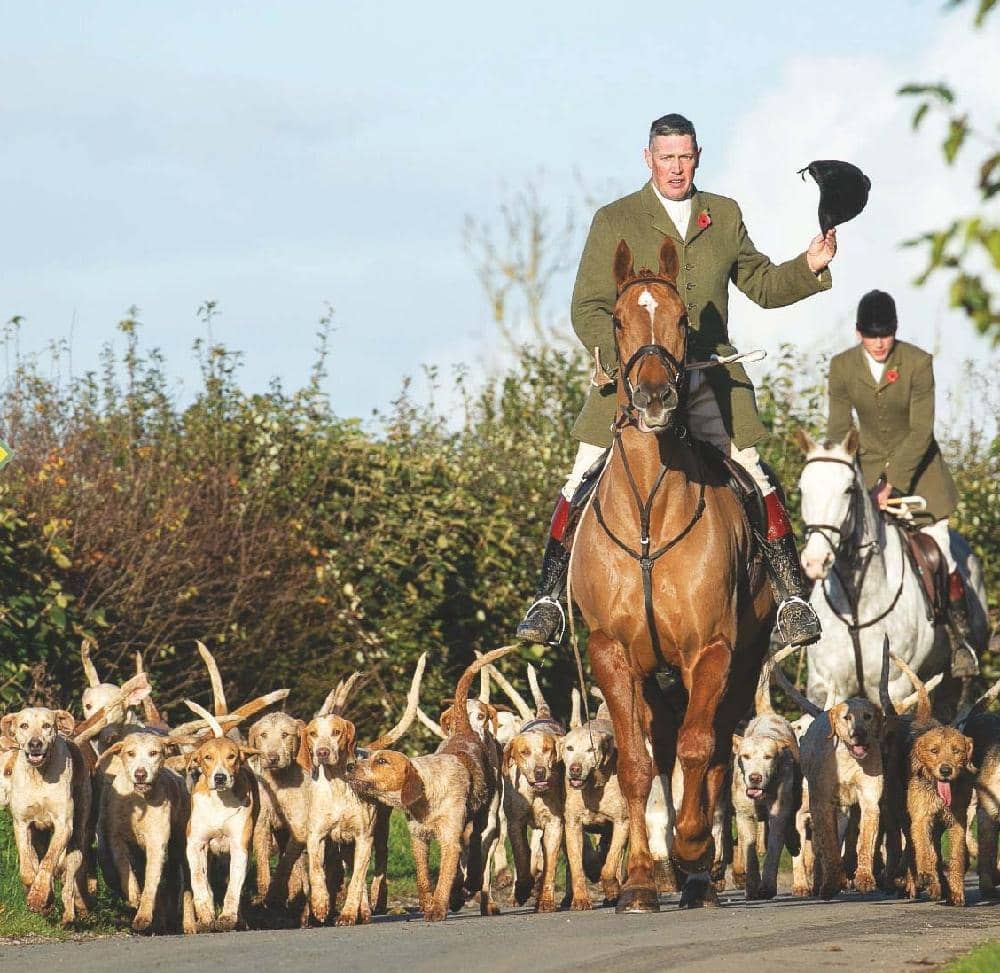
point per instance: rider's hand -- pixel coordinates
(880, 496)
(822, 249)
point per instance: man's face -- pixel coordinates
(672, 160)
(878, 348)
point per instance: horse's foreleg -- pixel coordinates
(624, 697)
(693, 847)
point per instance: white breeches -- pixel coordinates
(939, 531)
(704, 422)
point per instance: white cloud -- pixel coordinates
(847, 108)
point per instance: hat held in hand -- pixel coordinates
(843, 191)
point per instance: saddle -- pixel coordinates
(932, 569)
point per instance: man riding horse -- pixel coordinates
(890, 385)
(714, 248)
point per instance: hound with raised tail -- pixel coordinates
(224, 808)
(445, 796)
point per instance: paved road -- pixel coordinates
(785, 935)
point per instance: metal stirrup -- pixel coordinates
(792, 600)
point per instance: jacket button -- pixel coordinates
(691, 306)
(689, 266)
(690, 286)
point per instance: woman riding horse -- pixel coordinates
(890, 385)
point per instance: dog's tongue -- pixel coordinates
(944, 792)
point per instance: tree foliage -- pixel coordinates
(967, 249)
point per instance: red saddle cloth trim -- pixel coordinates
(778, 524)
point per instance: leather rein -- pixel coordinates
(628, 417)
(853, 624)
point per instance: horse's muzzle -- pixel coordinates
(656, 406)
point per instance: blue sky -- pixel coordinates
(276, 157)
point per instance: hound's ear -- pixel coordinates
(969, 746)
(851, 440)
(507, 757)
(253, 737)
(803, 440)
(7, 725)
(65, 722)
(352, 739)
(110, 752)
(304, 757)
(250, 752)
(669, 262)
(607, 746)
(624, 268)
(737, 743)
(835, 714)
(413, 787)
(491, 713)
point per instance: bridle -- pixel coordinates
(673, 366)
(853, 624)
(628, 416)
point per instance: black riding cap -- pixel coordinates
(843, 191)
(876, 315)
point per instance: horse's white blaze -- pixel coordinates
(647, 301)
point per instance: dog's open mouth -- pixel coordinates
(540, 785)
(576, 782)
(36, 759)
(859, 750)
(142, 787)
(944, 791)
(755, 793)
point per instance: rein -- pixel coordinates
(645, 556)
(854, 625)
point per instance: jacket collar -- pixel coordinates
(862, 369)
(662, 222)
(892, 362)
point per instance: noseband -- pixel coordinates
(837, 529)
(673, 366)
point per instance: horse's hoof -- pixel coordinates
(698, 892)
(637, 900)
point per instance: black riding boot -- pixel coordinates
(545, 621)
(963, 656)
(797, 623)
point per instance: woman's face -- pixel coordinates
(878, 348)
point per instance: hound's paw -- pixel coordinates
(522, 890)
(581, 903)
(321, 910)
(864, 882)
(546, 903)
(801, 891)
(435, 913)
(40, 894)
(489, 908)
(346, 919)
(142, 922)
(739, 879)
(225, 923)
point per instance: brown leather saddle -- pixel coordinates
(932, 569)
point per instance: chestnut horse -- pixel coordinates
(665, 575)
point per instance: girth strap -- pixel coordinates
(643, 556)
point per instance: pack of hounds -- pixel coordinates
(860, 794)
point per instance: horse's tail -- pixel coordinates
(923, 713)
(806, 705)
(460, 712)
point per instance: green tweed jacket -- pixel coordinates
(896, 422)
(710, 258)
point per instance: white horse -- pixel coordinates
(866, 588)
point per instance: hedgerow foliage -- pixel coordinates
(299, 544)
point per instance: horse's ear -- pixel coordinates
(624, 268)
(669, 261)
(850, 443)
(803, 440)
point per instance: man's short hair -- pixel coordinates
(672, 124)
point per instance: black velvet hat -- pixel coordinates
(843, 191)
(876, 315)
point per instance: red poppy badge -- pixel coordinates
(704, 220)
(891, 375)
